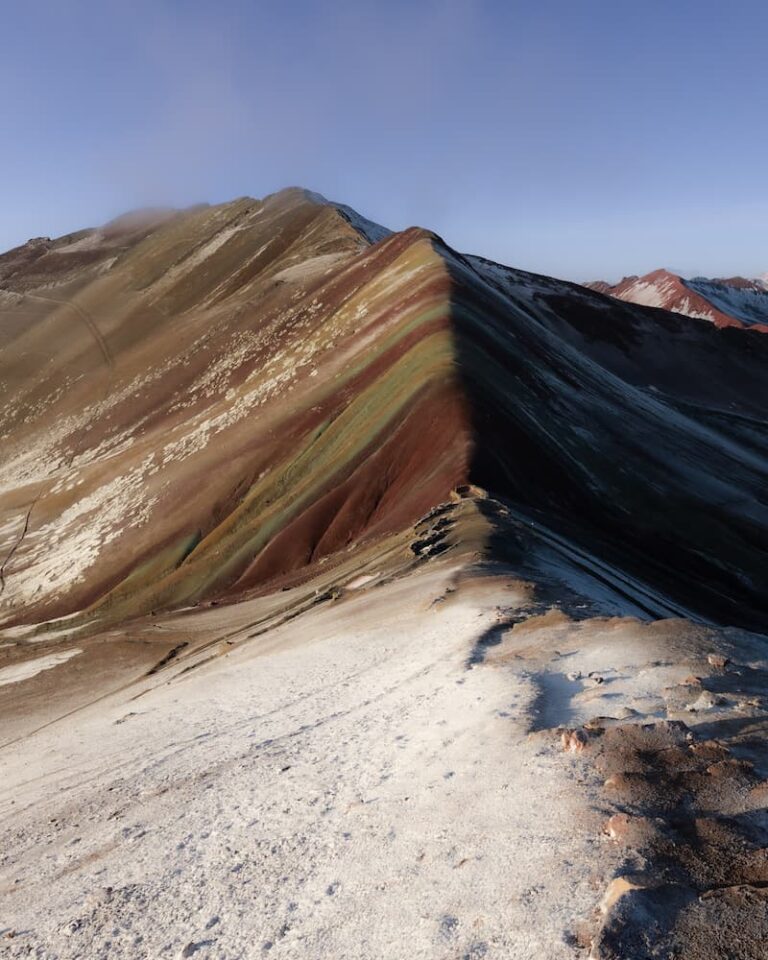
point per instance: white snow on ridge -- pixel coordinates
(488, 270)
(747, 304)
(647, 294)
(372, 232)
(368, 229)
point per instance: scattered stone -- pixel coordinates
(626, 712)
(616, 889)
(630, 830)
(449, 926)
(621, 782)
(760, 792)
(475, 951)
(573, 741)
(729, 768)
(582, 935)
(72, 927)
(574, 676)
(748, 703)
(706, 701)
(102, 895)
(676, 730)
(617, 826)
(718, 661)
(191, 948)
(709, 750)
(127, 716)
(691, 681)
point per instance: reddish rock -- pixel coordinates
(709, 750)
(619, 827)
(718, 661)
(574, 741)
(729, 768)
(734, 302)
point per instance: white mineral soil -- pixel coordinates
(343, 786)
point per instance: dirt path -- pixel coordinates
(356, 792)
(354, 784)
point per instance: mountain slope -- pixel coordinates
(258, 357)
(234, 394)
(599, 419)
(735, 302)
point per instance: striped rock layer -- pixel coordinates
(198, 405)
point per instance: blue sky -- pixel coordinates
(580, 138)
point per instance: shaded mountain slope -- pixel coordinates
(733, 302)
(233, 395)
(600, 421)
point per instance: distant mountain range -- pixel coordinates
(733, 302)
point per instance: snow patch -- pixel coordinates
(18, 672)
(748, 304)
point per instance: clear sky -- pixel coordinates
(580, 138)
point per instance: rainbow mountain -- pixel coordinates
(213, 403)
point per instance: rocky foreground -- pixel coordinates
(365, 599)
(431, 758)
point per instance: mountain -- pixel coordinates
(734, 302)
(337, 564)
(198, 404)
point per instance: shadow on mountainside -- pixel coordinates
(673, 511)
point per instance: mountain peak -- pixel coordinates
(662, 273)
(733, 302)
(370, 231)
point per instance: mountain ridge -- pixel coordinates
(245, 390)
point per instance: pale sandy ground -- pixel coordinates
(343, 787)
